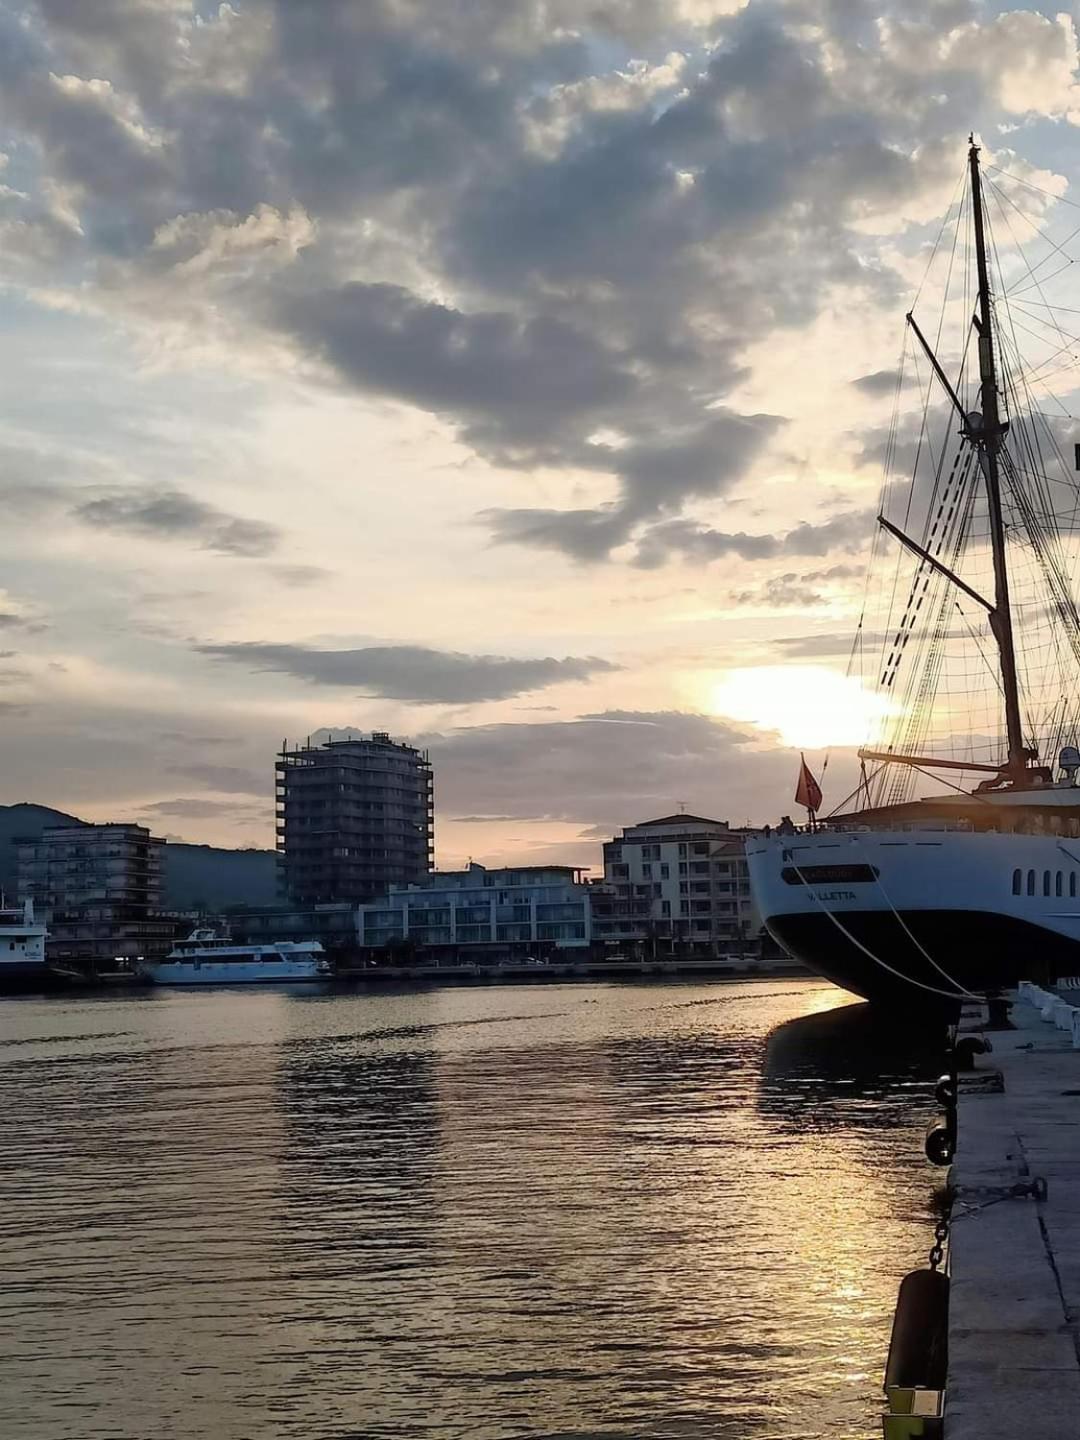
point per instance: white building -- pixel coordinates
(675, 882)
(518, 910)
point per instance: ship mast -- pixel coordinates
(985, 431)
(987, 435)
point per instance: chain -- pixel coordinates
(937, 1250)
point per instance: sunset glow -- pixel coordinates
(809, 706)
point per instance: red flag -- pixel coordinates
(808, 791)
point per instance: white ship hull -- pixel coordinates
(207, 959)
(22, 952)
(222, 972)
(917, 917)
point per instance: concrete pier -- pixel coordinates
(1014, 1313)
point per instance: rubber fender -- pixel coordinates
(945, 1092)
(919, 1348)
(940, 1142)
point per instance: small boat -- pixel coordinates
(22, 950)
(206, 958)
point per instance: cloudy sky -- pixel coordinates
(506, 374)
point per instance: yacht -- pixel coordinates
(22, 949)
(918, 896)
(206, 958)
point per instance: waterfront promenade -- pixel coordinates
(1014, 1322)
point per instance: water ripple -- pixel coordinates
(582, 1211)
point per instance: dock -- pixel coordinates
(570, 969)
(1014, 1308)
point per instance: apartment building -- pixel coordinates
(98, 889)
(513, 912)
(354, 817)
(679, 883)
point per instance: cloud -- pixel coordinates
(684, 539)
(230, 778)
(199, 809)
(298, 577)
(501, 214)
(507, 377)
(411, 672)
(823, 646)
(880, 383)
(172, 514)
(795, 590)
(612, 768)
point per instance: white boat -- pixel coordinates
(206, 958)
(917, 900)
(22, 949)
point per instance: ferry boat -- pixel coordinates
(206, 958)
(22, 950)
(920, 899)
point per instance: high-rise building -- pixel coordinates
(677, 882)
(98, 888)
(354, 817)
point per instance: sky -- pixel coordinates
(509, 375)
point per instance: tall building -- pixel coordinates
(515, 910)
(354, 817)
(98, 888)
(680, 882)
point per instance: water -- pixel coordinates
(635, 1213)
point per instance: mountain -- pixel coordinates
(18, 822)
(203, 877)
(196, 877)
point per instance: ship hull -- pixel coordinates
(911, 920)
(31, 977)
(207, 972)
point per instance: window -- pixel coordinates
(1072, 884)
(1057, 885)
(682, 852)
(665, 872)
(1017, 880)
(646, 870)
(1031, 882)
(665, 907)
(1046, 882)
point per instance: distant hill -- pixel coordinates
(16, 822)
(196, 877)
(203, 877)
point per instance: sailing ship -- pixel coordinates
(912, 899)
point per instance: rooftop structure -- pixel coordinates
(354, 817)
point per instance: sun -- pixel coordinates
(810, 706)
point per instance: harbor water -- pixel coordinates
(627, 1212)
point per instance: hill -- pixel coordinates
(195, 877)
(16, 822)
(204, 877)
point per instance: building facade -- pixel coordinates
(512, 912)
(98, 889)
(677, 884)
(354, 817)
